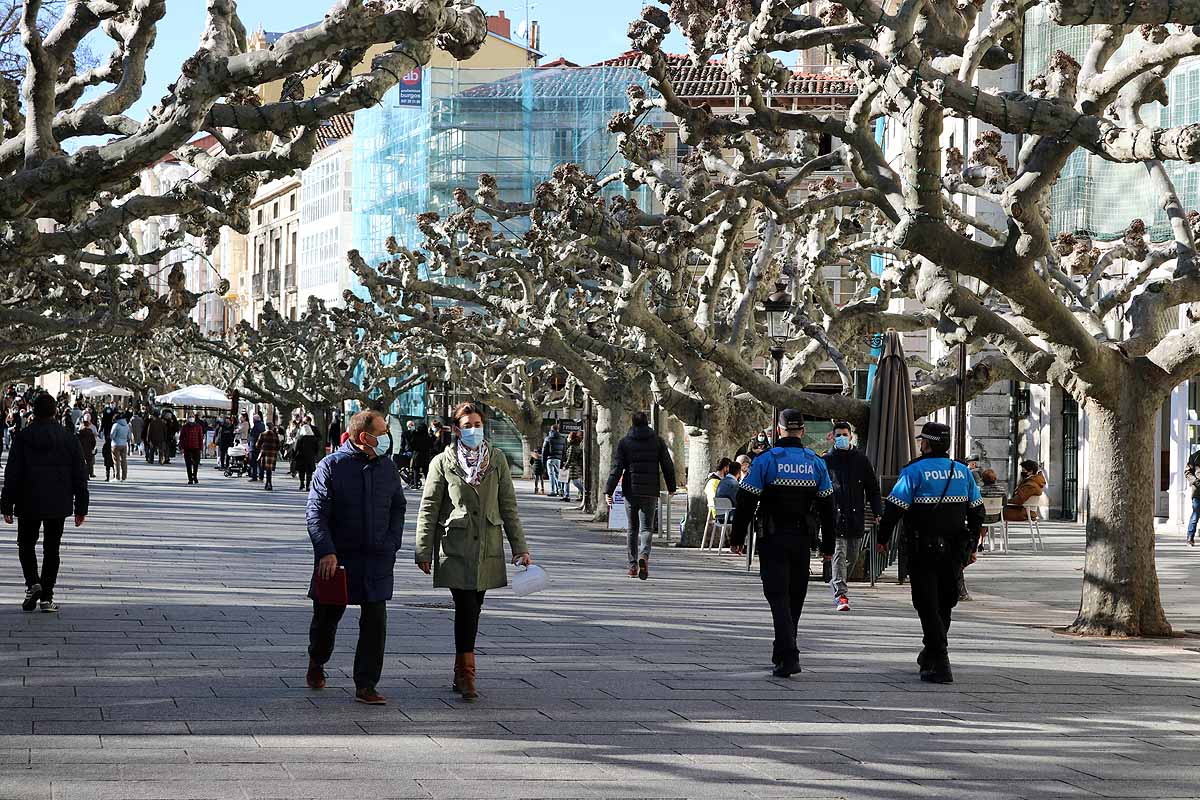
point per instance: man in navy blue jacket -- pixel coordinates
(356, 521)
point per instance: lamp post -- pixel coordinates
(776, 306)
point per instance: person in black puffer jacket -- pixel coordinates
(45, 482)
(641, 457)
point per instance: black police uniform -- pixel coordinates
(942, 510)
(785, 483)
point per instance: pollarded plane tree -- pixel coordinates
(517, 297)
(68, 258)
(1004, 283)
(678, 288)
(328, 356)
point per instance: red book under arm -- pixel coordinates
(332, 591)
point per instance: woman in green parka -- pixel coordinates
(468, 508)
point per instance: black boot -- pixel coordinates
(938, 673)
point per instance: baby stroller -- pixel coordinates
(236, 462)
(404, 465)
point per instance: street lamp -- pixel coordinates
(777, 305)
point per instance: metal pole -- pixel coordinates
(589, 455)
(777, 356)
(960, 412)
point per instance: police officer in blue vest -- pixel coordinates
(939, 502)
(785, 484)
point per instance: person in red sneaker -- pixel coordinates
(854, 485)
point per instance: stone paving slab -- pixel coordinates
(176, 670)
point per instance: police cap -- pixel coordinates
(937, 434)
(791, 419)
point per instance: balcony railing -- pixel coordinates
(289, 277)
(273, 283)
(257, 285)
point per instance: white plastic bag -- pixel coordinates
(529, 580)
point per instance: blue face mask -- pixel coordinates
(841, 442)
(471, 437)
(383, 444)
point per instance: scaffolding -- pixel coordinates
(1098, 196)
(515, 125)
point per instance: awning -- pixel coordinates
(201, 395)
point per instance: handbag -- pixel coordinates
(564, 474)
(529, 580)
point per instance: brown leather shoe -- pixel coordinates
(633, 572)
(468, 678)
(370, 697)
(315, 677)
(458, 679)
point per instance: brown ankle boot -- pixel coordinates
(468, 678)
(458, 668)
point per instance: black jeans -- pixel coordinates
(783, 567)
(305, 474)
(252, 461)
(191, 459)
(467, 605)
(934, 595)
(28, 531)
(372, 635)
(222, 455)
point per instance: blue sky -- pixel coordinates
(583, 32)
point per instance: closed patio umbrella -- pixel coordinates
(890, 437)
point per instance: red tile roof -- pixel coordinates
(561, 78)
(336, 128)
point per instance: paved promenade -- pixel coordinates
(176, 670)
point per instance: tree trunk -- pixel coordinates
(1120, 584)
(612, 418)
(529, 446)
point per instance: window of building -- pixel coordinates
(294, 255)
(292, 202)
(275, 210)
(260, 216)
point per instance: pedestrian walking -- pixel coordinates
(87, 442)
(137, 426)
(443, 437)
(256, 430)
(1192, 473)
(266, 453)
(468, 508)
(308, 452)
(171, 427)
(942, 511)
(156, 439)
(106, 452)
(641, 465)
(45, 482)
(334, 434)
(416, 440)
(226, 438)
(121, 436)
(573, 463)
(355, 519)
(538, 471)
(554, 447)
(854, 485)
(787, 483)
(243, 429)
(191, 442)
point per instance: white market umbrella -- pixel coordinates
(102, 389)
(201, 395)
(83, 383)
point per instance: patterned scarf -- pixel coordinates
(475, 462)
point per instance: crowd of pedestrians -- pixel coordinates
(792, 498)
